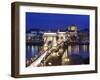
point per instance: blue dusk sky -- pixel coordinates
(51, 21)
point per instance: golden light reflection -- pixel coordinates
(85, 48)
(76, 49)
(69, 49)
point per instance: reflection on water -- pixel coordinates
(82, 50)
(78, 54)
(32, 51)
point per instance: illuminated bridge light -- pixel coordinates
(49, 63)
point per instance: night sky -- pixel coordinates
(50, 21)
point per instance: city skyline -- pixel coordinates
(63, 39)
(52, 22)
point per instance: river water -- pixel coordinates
(78, 54)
